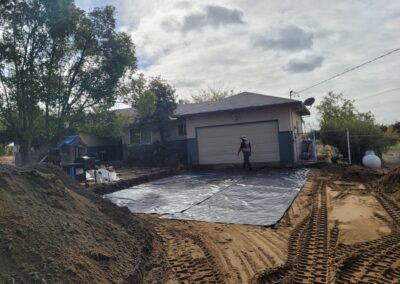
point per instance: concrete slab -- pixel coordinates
(258, 198)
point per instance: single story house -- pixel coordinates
(209, 133)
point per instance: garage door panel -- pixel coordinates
(219, 144)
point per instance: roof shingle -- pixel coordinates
(239, 101)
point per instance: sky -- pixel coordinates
(269, 47)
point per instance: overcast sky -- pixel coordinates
(269, 47)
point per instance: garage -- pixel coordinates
(219, 144)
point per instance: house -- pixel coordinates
(208, 133)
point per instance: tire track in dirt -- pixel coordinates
(308, 255)
(376, 261)
(189, 258)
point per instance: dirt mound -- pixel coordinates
(351, 172)
(390, 184)
(53, 231)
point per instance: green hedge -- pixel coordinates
(171, 153)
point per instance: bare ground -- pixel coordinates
(335, 231)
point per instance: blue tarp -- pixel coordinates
(70, 139)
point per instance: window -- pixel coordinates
(182, 129)
(134, 136)
(141, 137)
(145, 137)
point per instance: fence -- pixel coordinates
(348, 145)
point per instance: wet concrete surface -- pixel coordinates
(256, 198)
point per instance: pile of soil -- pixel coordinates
(351, 172)
(53, 231)
(390, 183)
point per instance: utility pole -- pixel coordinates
(348, 145)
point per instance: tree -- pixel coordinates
(146, 104)
(211, 94)
(338, 114)
(104, 124)
(165, 105)
(56, 62)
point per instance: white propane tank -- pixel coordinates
(370, 160)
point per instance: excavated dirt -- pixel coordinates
(52, 231)
(390, 184)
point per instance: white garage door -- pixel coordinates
(219, 144)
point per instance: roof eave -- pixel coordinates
(304, 110)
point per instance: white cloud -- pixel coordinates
(218, 48)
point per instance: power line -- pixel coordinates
(376, 94)
(349, 70)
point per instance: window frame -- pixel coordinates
(141, 136)
(184, 130)
(138, 140)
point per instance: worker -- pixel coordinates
(245, 147)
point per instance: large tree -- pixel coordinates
(57, 61)
(165, 105)
(338, 114)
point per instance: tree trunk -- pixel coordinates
(25, 152)
(162, 146)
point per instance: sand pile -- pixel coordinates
(390, 183)
(52, 231)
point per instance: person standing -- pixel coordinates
(245, 147)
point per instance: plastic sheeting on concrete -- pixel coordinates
(259, 198)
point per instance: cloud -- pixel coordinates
(214, 16)
(219, 49)
(290, 38)
(306, 63)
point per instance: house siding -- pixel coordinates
(282, 114)
(186, 147)
(297, 126)
(286, 150)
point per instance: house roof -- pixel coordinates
(96, 141)
(240, 101)
(126, 111)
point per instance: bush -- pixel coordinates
(148, 155)
(5, 150)
(338, 114)
(169, 154)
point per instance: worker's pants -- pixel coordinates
(246, 160)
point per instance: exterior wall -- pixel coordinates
(286, 117)
(282, 114)
(172, 131)
(297, 126)
(286, 149)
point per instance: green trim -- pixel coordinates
(192, 151)
(286, 151)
